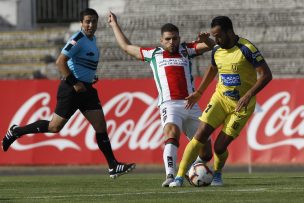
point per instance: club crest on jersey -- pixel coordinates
(234, 67)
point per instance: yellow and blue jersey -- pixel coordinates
(236, 68)
(237, 74)
(83, 56)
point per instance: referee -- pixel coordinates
(77, 63)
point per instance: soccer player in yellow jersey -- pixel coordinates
(237, 62)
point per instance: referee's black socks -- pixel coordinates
(104, 145)
(40, 126)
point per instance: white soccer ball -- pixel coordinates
(200, 175)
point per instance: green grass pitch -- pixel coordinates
(145, 187)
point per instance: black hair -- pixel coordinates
(87, 12)
(169, 27)
(223, 21)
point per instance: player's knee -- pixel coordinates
(203, 138)
(171, 130)
(206, 157)
(219, 149)
(54, 128)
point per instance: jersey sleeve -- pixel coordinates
(213, 53)
(146, 54)
(191, 49)
(71, 48)
(251, 53)
(257, 58)
(73, 45)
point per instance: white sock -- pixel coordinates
(169, 157)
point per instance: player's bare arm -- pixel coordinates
(209, 75)
(205, 43)
(265, 76)
(63, 68)
(121, 39)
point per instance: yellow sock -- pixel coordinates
(219, 161)
(190, 154)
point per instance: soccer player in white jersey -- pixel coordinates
(171, 67)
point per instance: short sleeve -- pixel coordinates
(251, 53)
(257, 58)
(73, 45)
(147, 54)
(213, 53)
(71, 48)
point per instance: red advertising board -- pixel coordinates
(274, 134)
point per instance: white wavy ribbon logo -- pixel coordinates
(282, 119)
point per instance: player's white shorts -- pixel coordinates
(186, 119)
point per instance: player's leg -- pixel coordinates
(220, 156)
(97, 120)
(171, 117)
(191, 152)
(64, 110)
(92, 110)
(40, 126)
(193, 148)
(190, 126)
(234, 123)
(211, 118)
(204, 157)
(15, 132)
(172, 134)
(205, 153)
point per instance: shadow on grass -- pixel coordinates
(5, 199)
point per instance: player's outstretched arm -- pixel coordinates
(209, 75)
(265, 76)
(121, 39)
(204, 42)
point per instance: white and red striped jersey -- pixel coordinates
(172, 72)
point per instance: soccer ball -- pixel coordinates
(200, 175)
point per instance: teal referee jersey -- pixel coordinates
(83, 56)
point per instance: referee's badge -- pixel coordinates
(73, 42)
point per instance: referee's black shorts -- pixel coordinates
(68, 100)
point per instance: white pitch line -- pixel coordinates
(145, 193)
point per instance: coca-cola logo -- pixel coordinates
(282, 122)
(144, 133)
